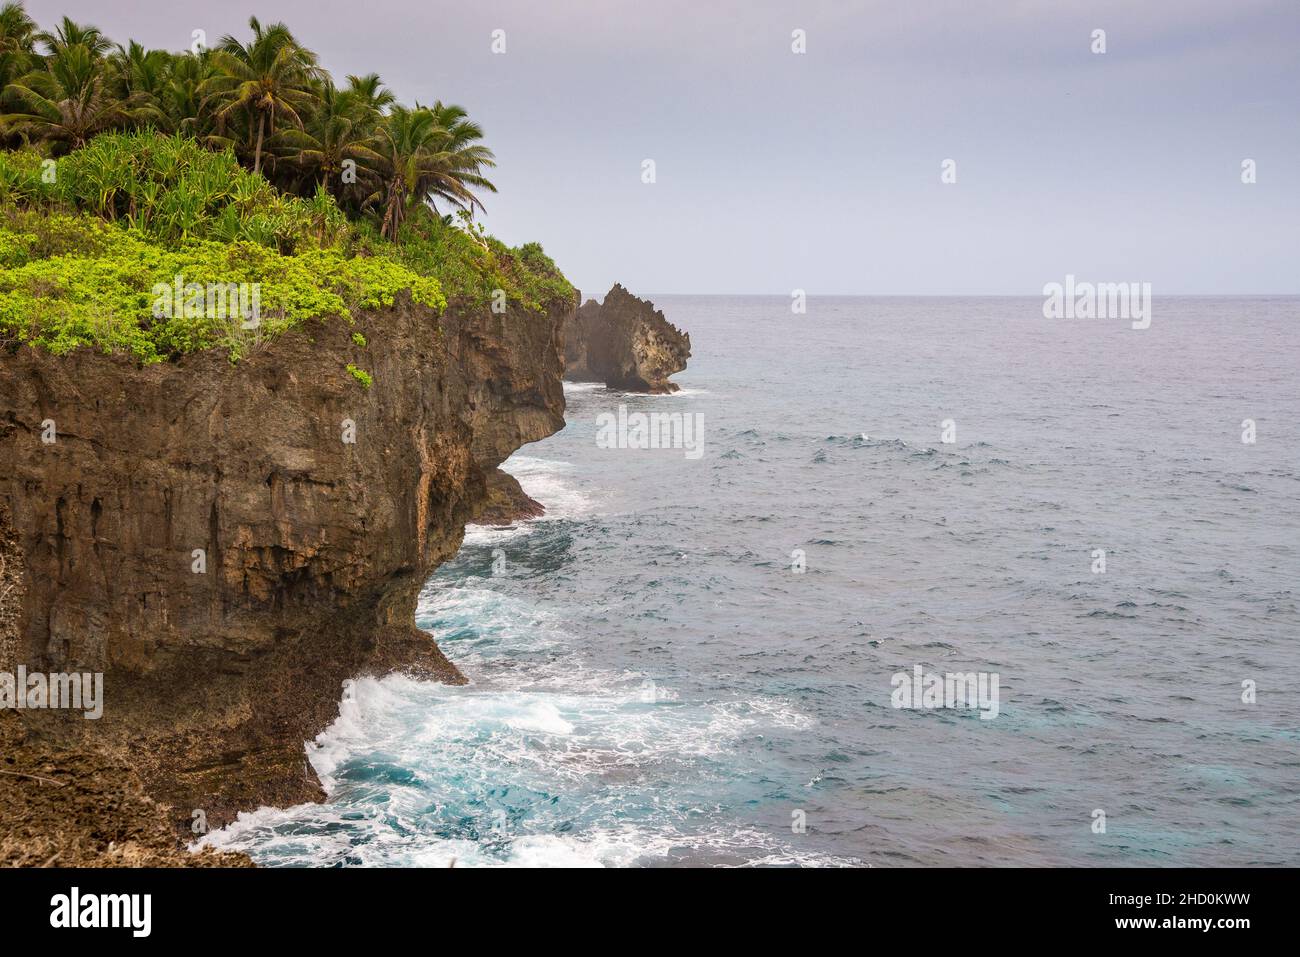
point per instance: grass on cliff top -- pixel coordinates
(88, 243)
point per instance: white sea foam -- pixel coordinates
(494, 534)
(407, 762)
(484, 622)
(541, 716)
(405, 718)
(548, 482)
(319, 835)
(578, 387)
(541, 761)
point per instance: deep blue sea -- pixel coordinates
(654, 684)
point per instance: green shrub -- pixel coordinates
(84, 249)
(361, 375)
(171, 189)
(472, 267)
(109, 301)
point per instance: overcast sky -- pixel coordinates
(821, 171)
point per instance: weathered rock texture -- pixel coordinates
(75, 807)
(624, 342)
(505, 501)
(315, 547)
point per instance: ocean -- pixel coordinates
(691, 659)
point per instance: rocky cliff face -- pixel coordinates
(624, 342)
(229, 543)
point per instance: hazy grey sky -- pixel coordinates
(821, 171)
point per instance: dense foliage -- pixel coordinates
(267, 100)
(127, 170)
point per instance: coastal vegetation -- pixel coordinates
(125, 170)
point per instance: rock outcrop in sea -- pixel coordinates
(624, 342)
(229, 543)
(505, 501)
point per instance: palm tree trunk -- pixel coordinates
(257, 150)
(388, 217)
(392, 217)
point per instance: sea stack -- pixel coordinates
(624, 342)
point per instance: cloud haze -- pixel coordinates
(778, 171)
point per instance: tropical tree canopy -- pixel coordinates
(265, 98)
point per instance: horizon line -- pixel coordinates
(960, 295)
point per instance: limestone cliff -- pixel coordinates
(624, 342)
(229, 543)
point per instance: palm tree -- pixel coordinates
(341, 128)
(134, 69)
(69, 102)
(17, 53)
(404, 144)
(267, 99)
(182, 96)
(267, 78)
(69, 34)
(370, 90)
(17, 31)
(461, 159)
(429, 152)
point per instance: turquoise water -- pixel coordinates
(652, 684)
